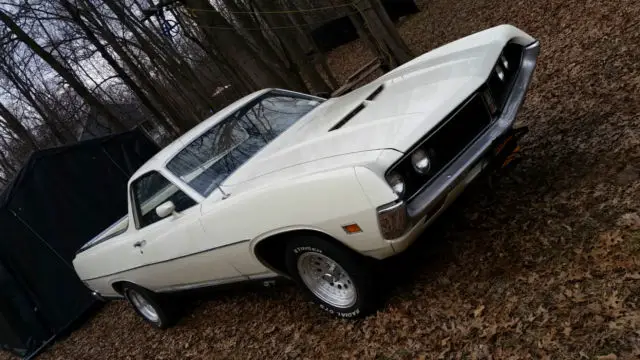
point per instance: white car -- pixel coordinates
(286, 184)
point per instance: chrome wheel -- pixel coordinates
(327, 280)
(142, 304)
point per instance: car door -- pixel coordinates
(174, 251)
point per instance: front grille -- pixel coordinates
(446, 142)
(458, 132)
(466, 122)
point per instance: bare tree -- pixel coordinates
(389, 45)
(64, 72)
(124, 76)
(220, 33)
(17, 128)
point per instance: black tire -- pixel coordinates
(164, 317)
(356, 266)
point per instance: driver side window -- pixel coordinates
(151, 190)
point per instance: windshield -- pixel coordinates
(219, 151)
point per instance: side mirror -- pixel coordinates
(165, 209)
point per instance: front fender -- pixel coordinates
(322, 201)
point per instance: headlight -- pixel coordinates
(420, 162)
(504, 62)
(500, 72)
(397, 183)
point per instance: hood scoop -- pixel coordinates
(348, 117)
(375, 93)
(359, 108)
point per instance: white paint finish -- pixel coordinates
(490, 41)
(323, 201)
(291, 173)
(374, 186)
(308, 178)
(200, 268)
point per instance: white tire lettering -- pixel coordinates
(350, 314)
(306, 248)
(354, 313)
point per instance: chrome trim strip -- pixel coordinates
(390, 207)
(168, 260)
(421, 203)
(267, 275)
(204, 284)
(97, 295)
(99, 240)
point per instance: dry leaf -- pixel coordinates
(594, 308)
(478, 311)
(633, 276)
(630, 220)
(610, 238)
(613, 301)
(608, 357)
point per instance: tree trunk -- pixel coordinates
(363, 34)
(391, 27)
(165, 63)
(228, 70)
(17, 128)
(49, 117)
(8, 167)
(197, 91)
(285, 30)
(293, 77)
(257, 38)
(397, 52)
(75, 15)
(233, 45)
(177, 118)
(65, 73)
(298, 21)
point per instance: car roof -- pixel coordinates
(164, 155)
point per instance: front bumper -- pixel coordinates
(397, 218)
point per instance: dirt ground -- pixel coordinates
(546, 266)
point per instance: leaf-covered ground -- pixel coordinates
(544, 266)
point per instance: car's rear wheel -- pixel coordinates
(338, 279)
(147, 305)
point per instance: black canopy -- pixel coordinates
(60, 199)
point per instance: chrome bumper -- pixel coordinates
(97, 296)
(430, 200)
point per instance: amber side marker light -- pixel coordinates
(352, 228)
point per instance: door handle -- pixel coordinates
(140, 243)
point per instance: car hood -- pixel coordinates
(392, 112)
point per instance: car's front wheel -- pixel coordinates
(338, 279)
(147, 305)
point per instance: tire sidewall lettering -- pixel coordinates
(331, 311)
(347, 313)
(302, 249)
